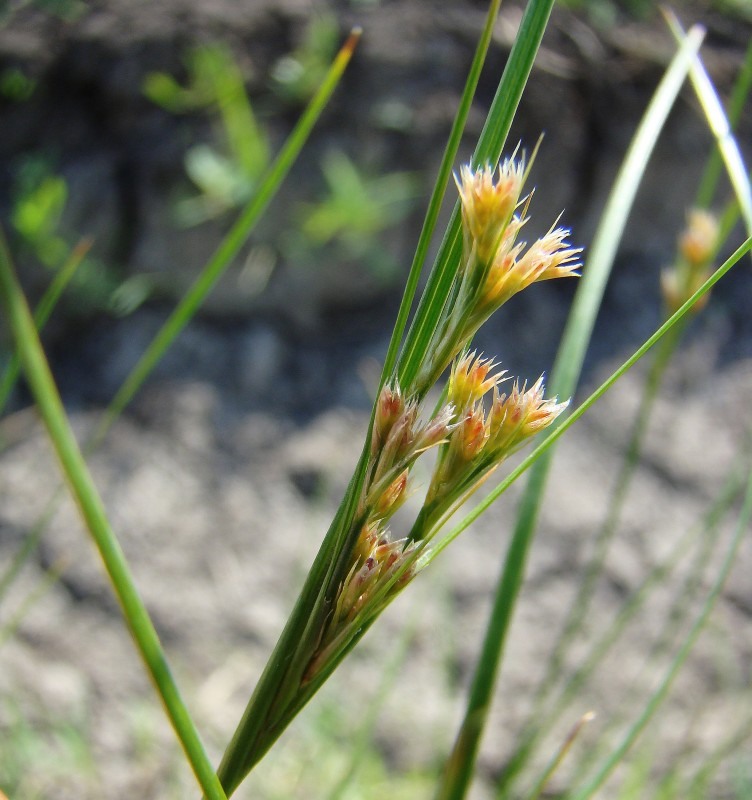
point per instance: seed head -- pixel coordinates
(400, 441)
(389, 407)
(512, 270)
(470, 380)
(521, 414)
(392, 497)
(436, 430)
(696, 246)
(488, 204)
(471, 434)
(376, 560)
(698, 240)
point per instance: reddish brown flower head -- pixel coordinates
(389, 408)
(392, 497)
(471, 434)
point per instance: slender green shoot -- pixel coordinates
(437, 195)
(48, 580)
(560, 754)
(664, 687)
(185, 310)
(363, 737)
(567, 368)
(696, 785)
(607, 530)
(29, 545)
(721, 128)
(233, 241)
(714, 168)
(490, 146)
(707, 532)
(43, 311)
(93, 513)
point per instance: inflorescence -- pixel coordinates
(478, 422)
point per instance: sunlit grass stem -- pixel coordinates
(42, 313)
(92, 510)
(458, 772)
(191, 302)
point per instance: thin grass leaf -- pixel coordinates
(29, 544)
(185, 310)
(707, 532)
(488, 150)
(363, 737)
(44, 309)
(543, 719)
(560, 755)
(233, 241)
(48, 580)
(92, 510)
(605, 534)
(662, 691)
(721, 128)
(564, 378)
(705, 772)
(439, 189)
(714, 168)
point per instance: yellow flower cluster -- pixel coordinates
(482, 438)
(475, 426)
(495, 264)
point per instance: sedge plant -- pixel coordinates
(438, 394)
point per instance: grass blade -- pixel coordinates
(742, 87)
(236, 237)
(489, 149)
(203, 284)
(442, 179)
(92, 511)
(44, 310)
(563, 382)
(721, 128)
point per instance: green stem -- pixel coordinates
(542, 721)
(604, 536)
(490, 145)
(44, 310)
(90, 505)
(202, 286)
(442, 179)
(566, 372)
(714, 167)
